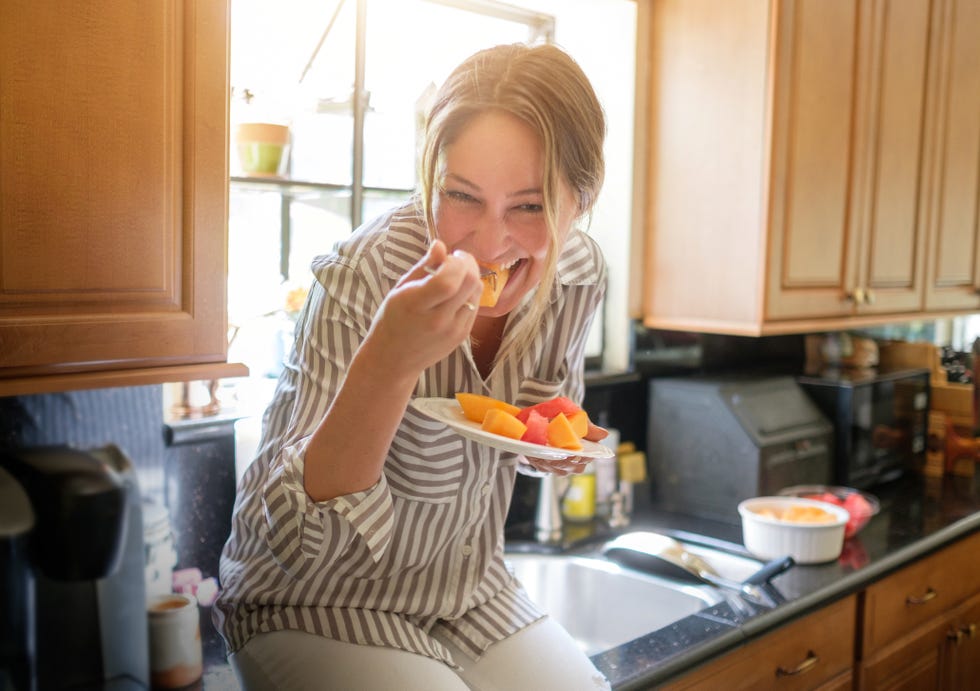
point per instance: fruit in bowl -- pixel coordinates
(860, 505)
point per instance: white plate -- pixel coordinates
(447, 410)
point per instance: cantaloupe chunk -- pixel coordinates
(580, 423)
(561, 435)
(500, 422)
(494, 279)
(475, 406)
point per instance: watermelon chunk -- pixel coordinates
(537, 428)
(550, 408)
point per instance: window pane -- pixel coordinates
(275, 56)
(318, 221)
(376, 203)
(411, 47)
(261, 302)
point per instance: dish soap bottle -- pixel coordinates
(578, 504)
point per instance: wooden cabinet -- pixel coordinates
(921, 625)
(815, 652)
(801, 162)
(113, 193)
(962, 650)
(953, 209)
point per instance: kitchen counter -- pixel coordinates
(919, 515)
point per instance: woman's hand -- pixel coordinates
(429, 312)
(573, 465)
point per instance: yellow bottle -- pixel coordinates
(578, 503)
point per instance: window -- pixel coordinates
(304, 63)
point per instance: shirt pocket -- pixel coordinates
(535, 390)
(426, 461)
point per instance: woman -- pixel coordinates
(366, 547)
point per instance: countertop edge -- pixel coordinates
(767, 621)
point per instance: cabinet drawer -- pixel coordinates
(805, 654)
(911, 597)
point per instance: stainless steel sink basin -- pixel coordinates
(603, 605)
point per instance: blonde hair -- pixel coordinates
(545, 88)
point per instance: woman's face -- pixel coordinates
(490, 202)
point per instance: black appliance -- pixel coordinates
(73, 598)
(715, 441)
(880, 418)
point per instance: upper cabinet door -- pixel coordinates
(113, 186)
(814, 241)
(847, 233)
(812, 164)
(890, 166)
(953, 202)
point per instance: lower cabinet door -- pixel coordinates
(911, 662)
(815, 652)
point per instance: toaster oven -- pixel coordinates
(880, 421)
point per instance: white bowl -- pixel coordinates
(808, 543)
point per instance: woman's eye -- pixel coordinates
(458, 196)
(531, 208)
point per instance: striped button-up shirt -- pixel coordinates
(421, 551)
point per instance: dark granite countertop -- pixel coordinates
(918, 515)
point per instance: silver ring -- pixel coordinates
(470, 306)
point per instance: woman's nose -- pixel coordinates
(491, 236)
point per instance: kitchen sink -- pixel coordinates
(602, 604)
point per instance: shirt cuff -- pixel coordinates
(306, 536)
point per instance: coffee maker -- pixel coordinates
(72, 586)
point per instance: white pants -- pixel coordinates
(540, 657)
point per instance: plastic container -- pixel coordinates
(160, 553)
(860, 510)
(769, 537)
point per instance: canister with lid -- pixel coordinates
(161, 555)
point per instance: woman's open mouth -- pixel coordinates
(495, 278)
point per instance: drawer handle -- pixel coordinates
(970, 630)
(807, 664)
(929, 595)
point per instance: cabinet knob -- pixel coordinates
(957, 635)
(857, 296)
(869, 297)
(930, 594)
(808, 663)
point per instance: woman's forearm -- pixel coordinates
(347, 451)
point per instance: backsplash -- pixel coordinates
(186, 466)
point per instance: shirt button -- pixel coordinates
(486, 490)
(466, 550)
